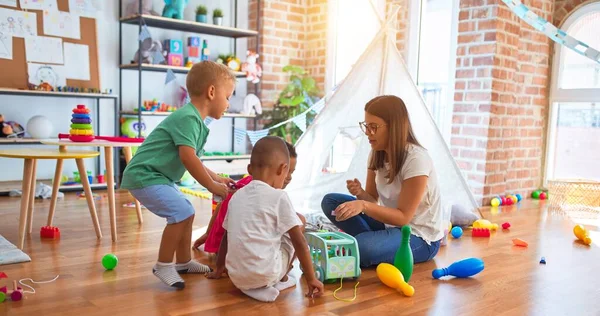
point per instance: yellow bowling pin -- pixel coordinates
(392, 277)
(484, 223)
(582, 234)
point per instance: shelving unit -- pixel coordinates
(160, 22)
(73, 95)
(7, 186)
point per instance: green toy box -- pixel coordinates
(334, 255)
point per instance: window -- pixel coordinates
(433, 45)
(573, 149)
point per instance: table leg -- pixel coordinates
(88, 196)
(110, 181)
(32, 186)
(138, 207)
(28, 167)
(55, 186)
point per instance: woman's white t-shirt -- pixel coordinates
(427, 221)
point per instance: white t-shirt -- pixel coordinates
(427, 221)
(257, 221)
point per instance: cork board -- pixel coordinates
(14, 72)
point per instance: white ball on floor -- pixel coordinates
(40, 127)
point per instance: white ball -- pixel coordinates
(39, 127)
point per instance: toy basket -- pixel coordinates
(574, 194)
(334, 255)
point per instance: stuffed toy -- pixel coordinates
(10, 129)
(149, 46)
(5, 128)
(252, 68)
(132, 7)
(174, 9)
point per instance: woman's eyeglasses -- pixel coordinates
(370, 128)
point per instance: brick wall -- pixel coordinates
(402, 24)
(501, 98)
(291, 32)
(563, 8)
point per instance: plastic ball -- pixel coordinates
(495, 202)
(519, 197)
(16, 295)
(457, 232)
(535, 194)
(503, 200)
(110, 261)
(543, 196)
(514, 199)
(509, 201)
(2, 297)
(39, 127)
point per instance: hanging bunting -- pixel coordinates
(239, 135)
(170, 76)
(552, 31)
(318, 107)
(208, 120)
(157, 57)
(300, 121)
(144, 33)
(257, 135)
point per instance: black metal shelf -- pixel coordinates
(165, 68)
(187, 26)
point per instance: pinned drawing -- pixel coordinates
(84, 8)
(9, 3)
(43, 49)
(39, 4)
(50, 74)
(6, 49)
(18, 23)
(61, 24)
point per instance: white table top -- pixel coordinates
(94, 143)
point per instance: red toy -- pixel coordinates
(506, 225)
(15, 295)
(543, 196)
(89, 138)
(49, 232)
(480, 232)
(3, 275)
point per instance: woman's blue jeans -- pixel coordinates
(376, 243)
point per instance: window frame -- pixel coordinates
(559, 95)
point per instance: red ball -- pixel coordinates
(509, 201)
(503, 200)
(543, 196)
(506, 225)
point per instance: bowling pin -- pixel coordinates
(460, 269)
(392, 277)
(404, 257)
(582, 234)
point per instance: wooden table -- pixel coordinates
(110, 179)
(31, 157)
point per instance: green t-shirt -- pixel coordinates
(157, 160)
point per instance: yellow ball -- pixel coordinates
(495, 202)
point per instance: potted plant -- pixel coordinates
(201, 14)
(218, 17)
(299, 94)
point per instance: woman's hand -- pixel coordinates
(354, 187)
(349, 210)
(226, 180)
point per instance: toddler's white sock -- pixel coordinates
(291, 281)
(265, 294)
(166, 272)
(192, 266)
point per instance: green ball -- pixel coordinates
(110, 261)
(535, 194)
(2, 297)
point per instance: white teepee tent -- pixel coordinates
(380, 70)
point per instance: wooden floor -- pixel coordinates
(513, 282)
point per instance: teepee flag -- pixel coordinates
(257, 135)
(157, 57)
(170, 76)
(318, 107)
(208, 120)
(144, 34)
(239, 135)
(300, 121)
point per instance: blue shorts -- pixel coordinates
(165, 201)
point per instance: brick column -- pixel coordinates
(501, 98)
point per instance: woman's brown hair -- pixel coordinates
(393, 111)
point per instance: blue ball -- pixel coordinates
(456, 232)
(519, 197)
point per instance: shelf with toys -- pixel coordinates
(187, 26)
(165, 68)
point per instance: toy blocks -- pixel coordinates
(49, 232)
(193, 50)
(175, 60)
(480, 232)
(174, 50)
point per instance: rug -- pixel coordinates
(10, 254)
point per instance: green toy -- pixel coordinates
(404, 257)
(110, 261)
(334, 255)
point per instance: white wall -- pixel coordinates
(58, 110)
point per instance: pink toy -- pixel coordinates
(49, 232)
(543, 196)
(480, 232)
(175, 60)
(251, 67)
(506, 225)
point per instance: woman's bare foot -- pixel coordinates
(200, 241)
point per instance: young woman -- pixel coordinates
(401, 176)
